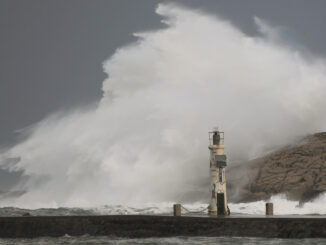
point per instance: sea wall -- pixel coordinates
(161, 226)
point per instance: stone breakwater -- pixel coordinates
(133, 226)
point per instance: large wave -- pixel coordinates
(146, 140)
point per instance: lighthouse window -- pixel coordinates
(221, 158)
(220, 175)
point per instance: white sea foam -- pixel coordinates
(146, 141)
(282, 206)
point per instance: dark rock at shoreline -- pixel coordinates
(298, 171)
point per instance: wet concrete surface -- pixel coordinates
(164, 226)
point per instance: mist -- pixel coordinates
(146, 139)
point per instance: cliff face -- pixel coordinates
(298, 171)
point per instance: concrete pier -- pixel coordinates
(162, 226)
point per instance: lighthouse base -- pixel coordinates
(218, 205)
(212, 213)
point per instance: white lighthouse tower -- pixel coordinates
(218, 204)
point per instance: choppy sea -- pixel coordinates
(165, 241)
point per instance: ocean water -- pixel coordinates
(282, 206)
(165, 241)
(145, 209)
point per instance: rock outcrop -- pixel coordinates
(298, 171)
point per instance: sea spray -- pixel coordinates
(146, 141)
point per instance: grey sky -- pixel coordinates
(51, 50)
(52, 53)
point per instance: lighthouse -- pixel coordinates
(218, 203)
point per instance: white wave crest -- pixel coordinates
(146, 141)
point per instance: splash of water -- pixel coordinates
(282, 206)
(146, 140)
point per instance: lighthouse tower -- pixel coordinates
(218, 204)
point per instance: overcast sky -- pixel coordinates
(51, 51)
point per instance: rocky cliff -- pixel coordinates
(298, 171)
